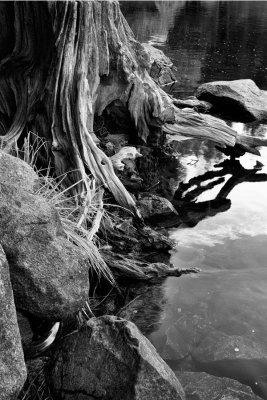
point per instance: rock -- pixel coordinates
(157, 55)
(201, 386)
(157, 210)
(48, 274)
(217, 346)
(240, 100)
(160, 66)
(183, 336)
(110, 359)
(14, 171)
(193, 102)
(12, 366)
(150, 239)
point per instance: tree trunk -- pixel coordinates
(62, 63)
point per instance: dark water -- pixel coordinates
(215, 321)
(206, 40)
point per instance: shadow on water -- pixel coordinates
(208, 41)
(186, 196)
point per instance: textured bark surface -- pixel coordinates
(63, 63)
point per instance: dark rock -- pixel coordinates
(151, 239)
(37, 335)
(14, 171)
(240, 100)
(157, 210)
(110, 359)
(37, 386)
(193, 102)
(25, 329)
(201, 386)
(183, 336)
(48, 274)
(12, 366)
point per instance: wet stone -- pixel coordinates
(219, 346)
(201, 386)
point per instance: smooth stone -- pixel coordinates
(241, 100)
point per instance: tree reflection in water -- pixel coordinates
(185, 198)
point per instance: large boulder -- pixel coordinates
(12, 366)
(201, 386)
(110, 359)
(240, 100)
(48, 274)
(14, 171)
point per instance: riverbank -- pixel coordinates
(60, 248)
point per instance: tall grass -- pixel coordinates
(80, 219)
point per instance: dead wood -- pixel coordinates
(66, 63)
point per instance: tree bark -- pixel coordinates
(62, 63)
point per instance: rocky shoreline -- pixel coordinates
(44, 276)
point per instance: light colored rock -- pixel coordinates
(12, 366)
(14, 171)
(241, 100)
(201, 386)
(110, 359)
(48, 274)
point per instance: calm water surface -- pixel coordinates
(206, 40)
(215, 321)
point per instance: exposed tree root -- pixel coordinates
(133, 269)
(69, 61)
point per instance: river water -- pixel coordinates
(215, 321)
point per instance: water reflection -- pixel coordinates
(217, 321)
(206, 40)
(185, 198)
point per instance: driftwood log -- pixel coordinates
(62, 63)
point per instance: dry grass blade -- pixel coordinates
(80, 222)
